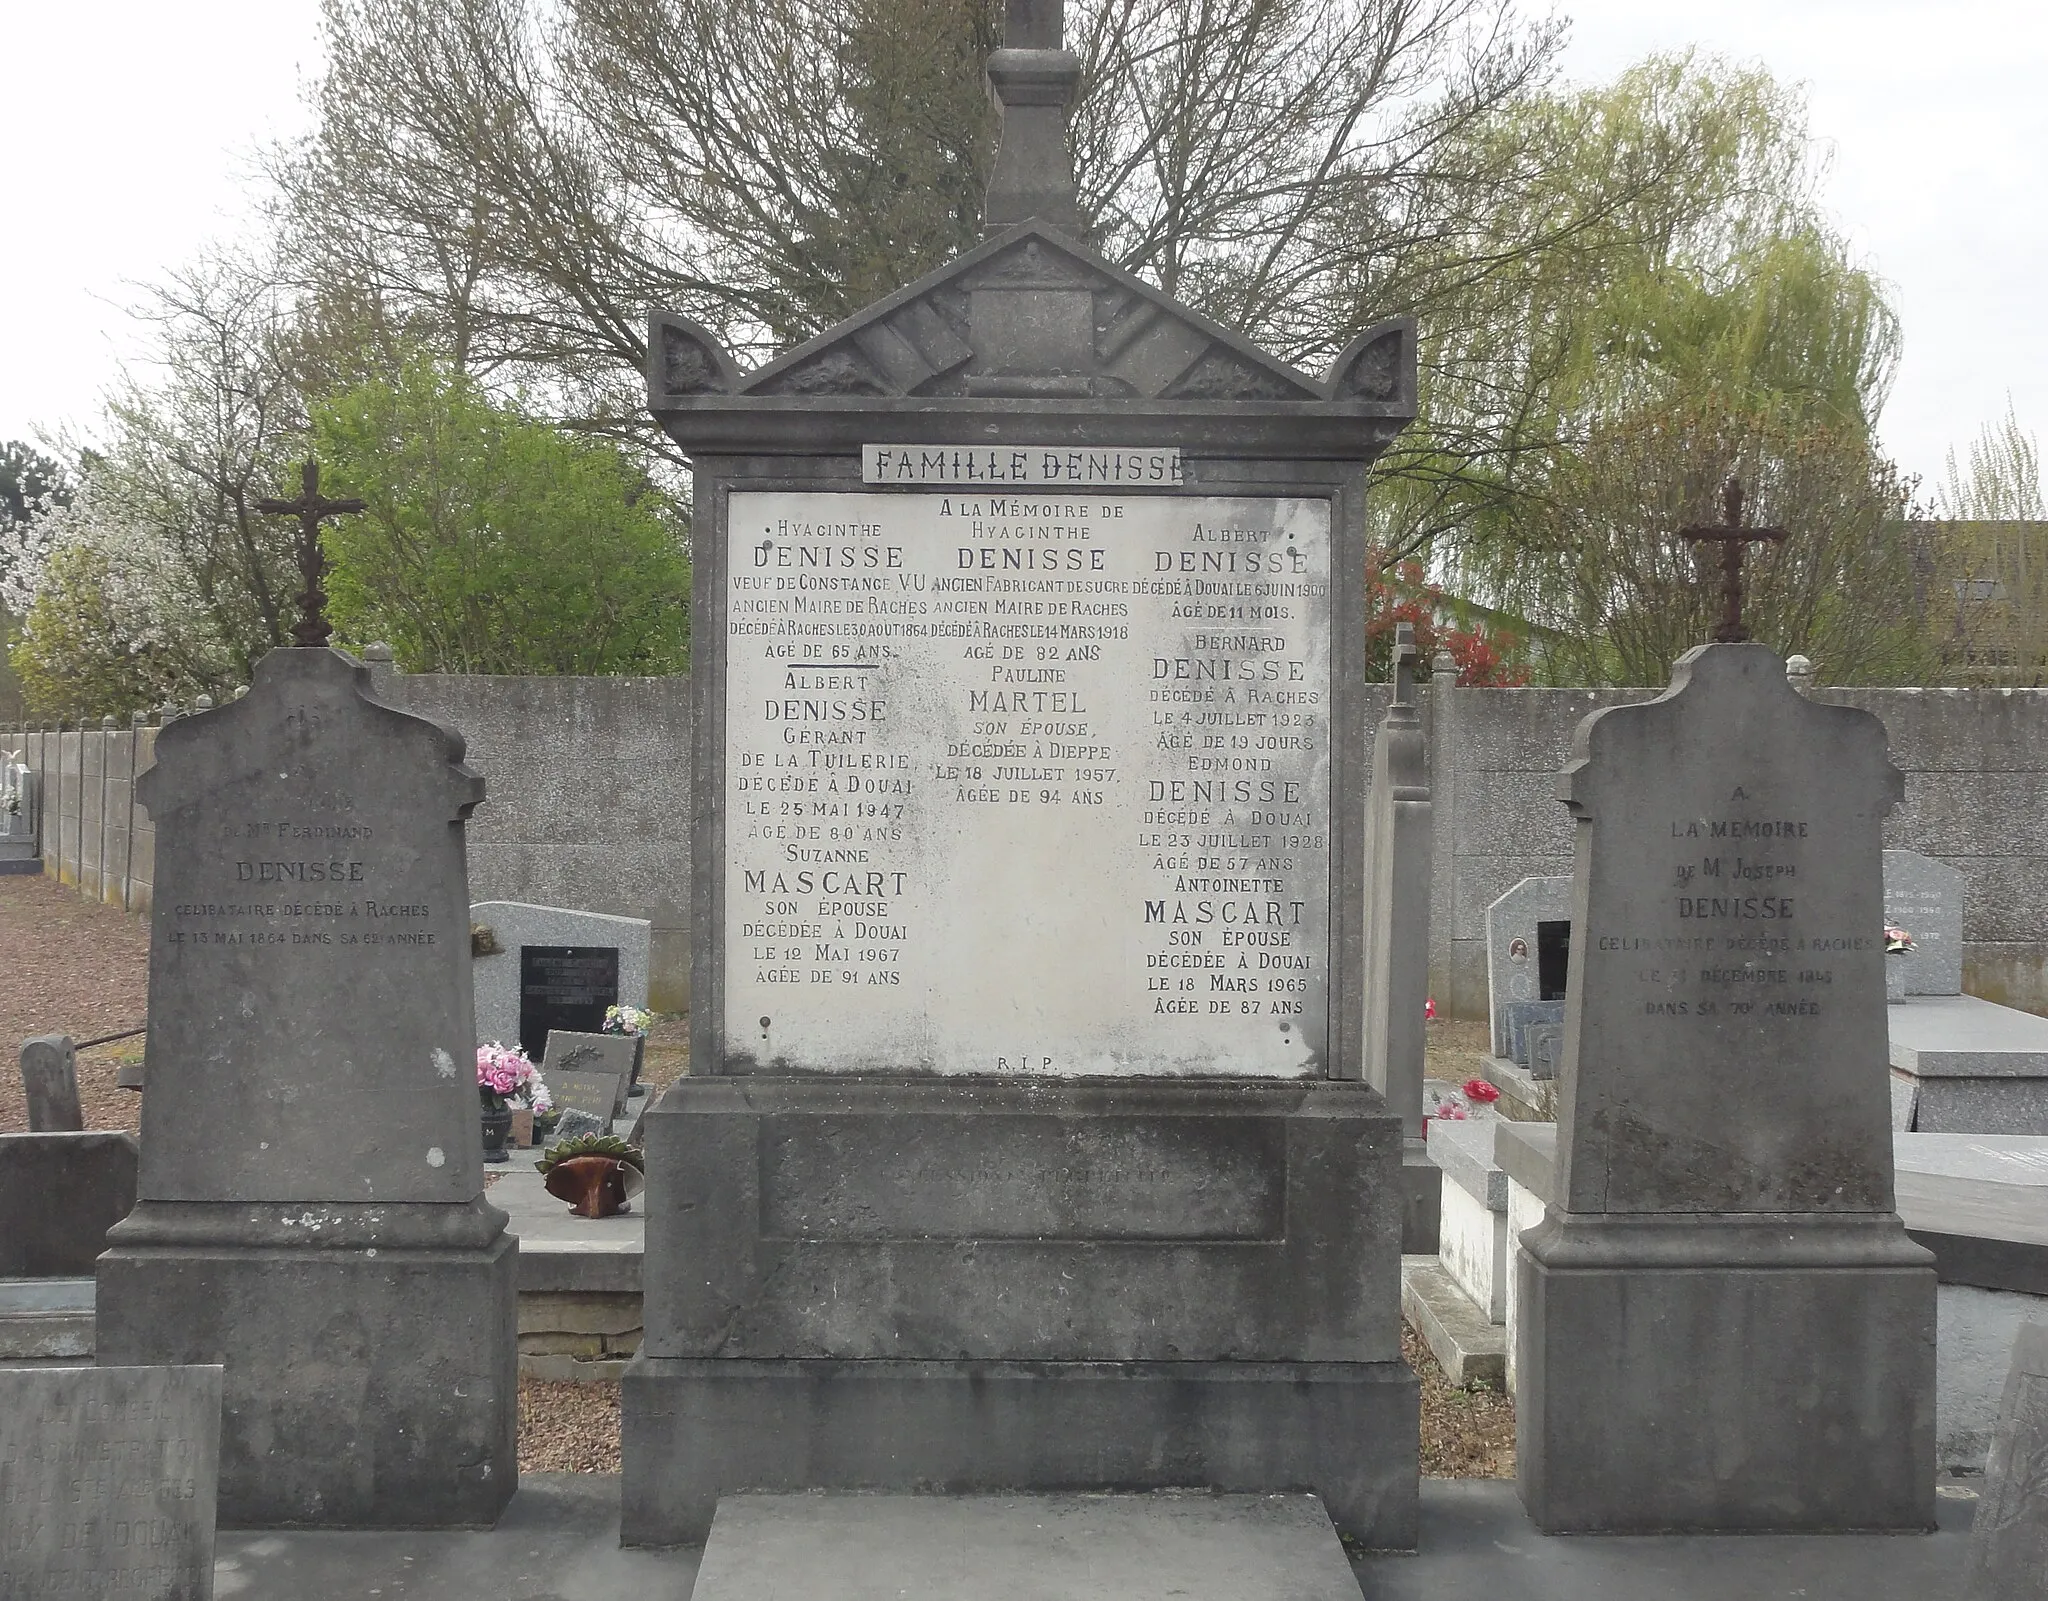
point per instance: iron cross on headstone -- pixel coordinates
(1732, 538)
(312, 627)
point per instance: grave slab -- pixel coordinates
(1961, 1064)
(49, 1073)
(1924, 897)
(577, 1061)
(107, 1482)
(59, 1194)
(1162, 1547)
(1723, 1181)
(1517, 952)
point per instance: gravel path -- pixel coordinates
(69, 966)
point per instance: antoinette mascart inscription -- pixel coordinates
(1028, 780)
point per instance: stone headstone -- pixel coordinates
(2008, 1558)
(1028, 898)
(1515, 949)
(1924, 897)
(606, 1055)
(599, 1094)
(49, 1072)
(1724, 1166)
(59, 1194)
(1398, 845)
(551, 967)
(575, 1122)
(311, 1174)
(1545, 1048)
(107, 1482)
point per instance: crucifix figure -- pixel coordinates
(312, 627)
(1732, 537)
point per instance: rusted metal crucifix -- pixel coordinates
(312, 627)
(1732, 537)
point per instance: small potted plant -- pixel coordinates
(597, 1174)
(634, 1023)
(502, 1077)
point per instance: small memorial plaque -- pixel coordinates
(597, 1094)
(564, 987)
(1028, 783)
(607, 1054)
(108, 1479)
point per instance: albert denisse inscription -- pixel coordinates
(1027, 782)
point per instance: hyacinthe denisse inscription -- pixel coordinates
(1027, 782)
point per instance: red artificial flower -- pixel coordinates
(1429, 1009)
(1479, 1090)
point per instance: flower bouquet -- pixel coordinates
(1459, 1104)
(506, 1078)
(634, 1023)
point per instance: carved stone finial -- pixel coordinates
(1034, 79)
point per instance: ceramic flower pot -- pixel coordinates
(594, 1186)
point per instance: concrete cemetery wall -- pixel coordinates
(587, 797)
(589, 781)
(1976, 765)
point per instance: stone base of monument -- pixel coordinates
(1625, 1325)
(365, 1388)
(1000, 1285)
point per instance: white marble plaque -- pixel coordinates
(1028, 783)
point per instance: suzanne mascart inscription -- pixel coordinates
(1028, 781)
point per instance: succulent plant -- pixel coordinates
(592, 1145)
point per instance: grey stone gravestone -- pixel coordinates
(1521, 1016)
(1924, 897)
(59, 1194)
(311, 1207)
(107, 1482)
(597, 1094)
(1515, 949)
(1722, 1324)
(608, 1056)
(575, 1122)
(1025, 1144)
(2008, 1558)
(1398, 846)
(49, 1073)
(1545, 1048)
(554, 967)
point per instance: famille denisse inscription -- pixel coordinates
(1739, 875)
(299, 882)
(1027, 782)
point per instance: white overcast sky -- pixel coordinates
(128, 129)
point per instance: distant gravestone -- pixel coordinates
(2008, 1558)
(1528, 945)
(107, 1482)
(589, 1071)
(575, 1123)
(1925, 898)
(1724, 1152)
(542, 968)
(1523, 1016)
(49, 1073)
(310, 1204)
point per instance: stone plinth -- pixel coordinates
(979, 1285)
(1961, 1065)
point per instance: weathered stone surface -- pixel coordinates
(1514, 948)
(1521, 1017)
(2009, 1539)
(1924, 897)
(59, 1194)
(1080, 1548)
(1094, 1222)
(311, 1208)
(1723, 1180)
(1399, 853)
(107, 1482)
(49, 1073)
(504, 1011)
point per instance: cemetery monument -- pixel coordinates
(311, 1211)
(1026, 1144)
(1722, 1324)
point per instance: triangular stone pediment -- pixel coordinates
(1031, 313)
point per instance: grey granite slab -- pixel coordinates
(1464, 1151)
(1961, 1036)
(108, 1482)
(1924, 897)
(1162, 1547)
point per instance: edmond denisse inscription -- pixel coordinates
(1028, 782)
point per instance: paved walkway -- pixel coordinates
(558, 1542)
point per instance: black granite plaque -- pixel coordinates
(108, 1479)
(564, 986)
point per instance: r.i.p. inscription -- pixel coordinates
(1027, 782)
